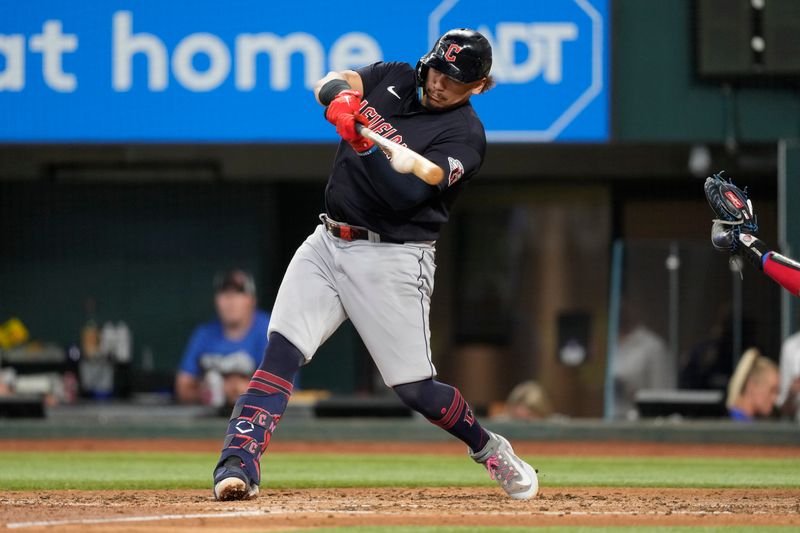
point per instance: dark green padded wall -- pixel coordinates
(656, 96)
(148, 253)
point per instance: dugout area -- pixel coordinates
(140, 227)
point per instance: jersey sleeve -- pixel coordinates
(459, 161)
(371, 75)
(783, 270)
(190, 363)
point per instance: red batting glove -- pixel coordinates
(348, 101)
(346, 128)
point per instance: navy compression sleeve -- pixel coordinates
(331, 88)
(400, 191)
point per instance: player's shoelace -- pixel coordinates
(500, 470)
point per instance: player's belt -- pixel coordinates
(346, 232)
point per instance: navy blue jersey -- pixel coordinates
(453, 139)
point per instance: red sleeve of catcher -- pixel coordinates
(783, 270)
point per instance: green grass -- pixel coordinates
(122, 470)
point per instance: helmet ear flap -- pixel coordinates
(422, 73)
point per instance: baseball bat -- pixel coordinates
(405, 160)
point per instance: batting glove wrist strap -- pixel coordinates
(347, 102)
(369, 151)
(755, 250)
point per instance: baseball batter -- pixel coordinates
(372, 258)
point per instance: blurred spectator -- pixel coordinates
(790, 377)
(7, 376)
(528, 401)
(641, 361)
(222, 355)
(753, 388)
(709, 364)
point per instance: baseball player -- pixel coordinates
(372, 258)
(733, 232)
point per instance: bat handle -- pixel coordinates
(422, 168)
(369, 134)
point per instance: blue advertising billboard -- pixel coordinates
(243, 70)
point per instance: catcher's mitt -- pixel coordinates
(734, 212)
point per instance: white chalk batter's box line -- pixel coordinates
(242, 514)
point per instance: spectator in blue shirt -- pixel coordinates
(222, 355)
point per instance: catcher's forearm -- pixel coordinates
(752, 248)
(784, 271)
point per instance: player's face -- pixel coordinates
(765, 392)
(234, 308)
(442, 92)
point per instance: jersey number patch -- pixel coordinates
(456, 170)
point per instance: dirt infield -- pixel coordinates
(126, 511)
(174, 511)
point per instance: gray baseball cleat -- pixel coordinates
(231, 482)
(514, 475)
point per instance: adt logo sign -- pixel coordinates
(186, 71)
(549, 61)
